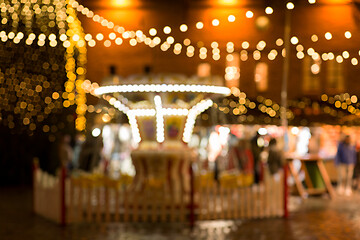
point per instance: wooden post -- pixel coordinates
(107, 200)
(117, 203)
(62, 197)
(286, 212)
(34, 185)
(126, 205)
(89, 207)
(192, 193)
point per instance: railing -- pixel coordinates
(234, 198)
(49, 194)
(89, 198)
(97, 198)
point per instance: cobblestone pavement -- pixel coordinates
(316, 218)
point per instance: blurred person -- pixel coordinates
(66, 152)
(275, 159)
(356, 173)
(345, 160)
(256, 151)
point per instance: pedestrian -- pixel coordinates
(275, 157)
(345, 160)
(256, 151)
(66, 152)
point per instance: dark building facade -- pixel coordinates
(242, 41)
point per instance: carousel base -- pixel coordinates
(164, 172)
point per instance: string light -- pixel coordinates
(269, 10)
(290, 6)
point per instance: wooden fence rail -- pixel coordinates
(95, 198)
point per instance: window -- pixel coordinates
(335, 77)
(311, 70)
(261, 77)
(204, 70)
(232, 70)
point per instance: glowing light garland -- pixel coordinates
(162, 88)
(75, 69)
(193, 113)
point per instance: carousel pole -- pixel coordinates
(284, 93)
(285, 77)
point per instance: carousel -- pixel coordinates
(162, 110)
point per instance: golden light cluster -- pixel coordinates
(75, 68)
(138, 36)
(36, 83)
(245, 110)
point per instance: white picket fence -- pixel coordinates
(90, 198)
(231, 200)
(48, 195)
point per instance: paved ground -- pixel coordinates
(316, 218)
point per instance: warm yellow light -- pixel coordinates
(229, 57)
(216, 57)
(269, 10)
(202, 56)
(139, 33)
(299, 48)
(271, 56)
(187, 42)
(183, 27)
(325, 56)
(199, 25)
(178, 47)
(88, 37)
(346, 54)
(331, 56)
(118, 41)
(279, 42)
(339, 59)
(157, 40)
(167, 30)
(99, 36)
(300, 55)
(290, 5)
(245, 45)
(92, 43)
(214, 45)
(190, 54)
(312, 1)
(348, 34)
(257, 55)
(310, 51)
(354, 99)
(170, 40)
(107, 43)
(328, 35)
(354, 61)
(215, 22)
(249, 14)
(315, 69)
(133, 42)
(315, 56)
(152, 31)
(231, 18)
(261, 45)
(314, 38)
(122, 3)
(229, 2)
(294, 40)
(112, 36)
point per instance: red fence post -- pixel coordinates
(286, 192)
(62, 196)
